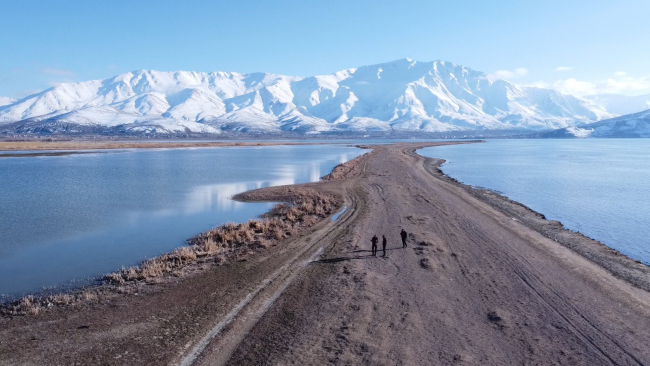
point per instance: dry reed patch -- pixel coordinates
(32, 305)
(351, 168)
(227, 242)
(231, 241)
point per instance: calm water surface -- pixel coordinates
(72, 217)
(599, 187)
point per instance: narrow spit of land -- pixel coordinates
(474, 286)
(108, 145)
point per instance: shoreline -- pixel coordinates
(123, 280)
(629, 269)
(298, 291)
(186, 260)
(66, 147)
(74, 146)
(78, 285)
(633, 271)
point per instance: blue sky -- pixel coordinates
(581, 47)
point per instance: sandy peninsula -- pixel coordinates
(483, 281)
(74, 146)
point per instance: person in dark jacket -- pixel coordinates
(383, 245)
(374, 241)
(403, 234)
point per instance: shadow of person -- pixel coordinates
(368, 251)
(341, 259)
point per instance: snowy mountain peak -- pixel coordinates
(6, 101)
(403, 95)
(631, 125)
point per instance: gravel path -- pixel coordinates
(473, 287)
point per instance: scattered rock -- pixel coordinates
(494, 317)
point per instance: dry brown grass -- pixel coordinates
(231, 240)
(350, 168)
(31, 305)
(227, 242)
(49, 144)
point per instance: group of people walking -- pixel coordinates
(375, 240)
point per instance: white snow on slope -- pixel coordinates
(403, 94)
(631, 125)
(6, 101)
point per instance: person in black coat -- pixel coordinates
(403, 234)
(383, 245)
(374, 241)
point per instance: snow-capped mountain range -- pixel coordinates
(403, 95)
(630, 125)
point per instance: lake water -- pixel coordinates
(72, 217)
(599, 187)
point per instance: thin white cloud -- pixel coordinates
(540, 84)
(507, 74)
(55, 83)
(622, 84)
(620, 73)
(57, 76)
(58, 72)
(563, 68)
(575, 87)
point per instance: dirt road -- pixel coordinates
(474, 286)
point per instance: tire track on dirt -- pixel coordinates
(205, 353)
(575, 319)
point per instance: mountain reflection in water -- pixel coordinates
(78, 216)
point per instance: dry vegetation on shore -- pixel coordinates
(303, 208)
(33, 305)
(233, 241)
(345, 170)
(224, 243)
(107, 145)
